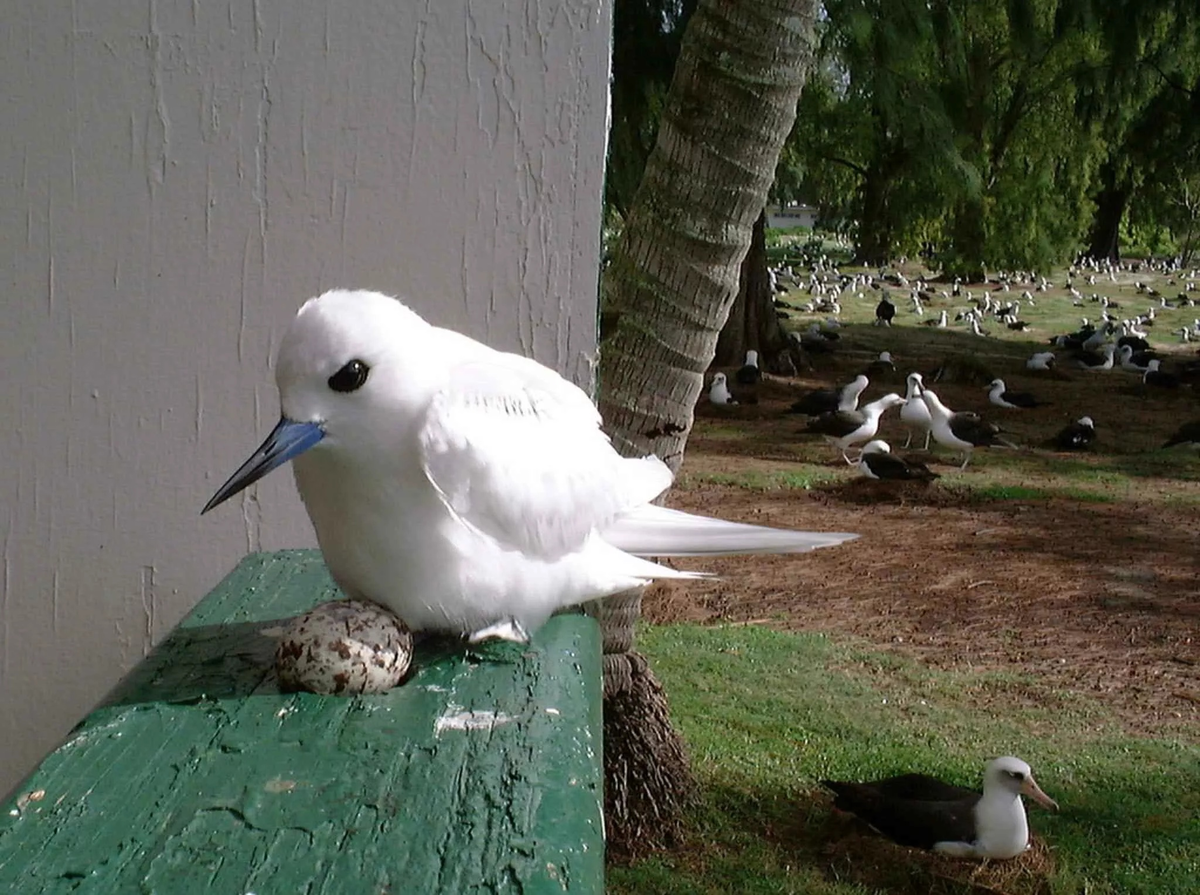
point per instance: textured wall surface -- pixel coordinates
(175, 178)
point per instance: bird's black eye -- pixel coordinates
(349, 378)
(1016, 775)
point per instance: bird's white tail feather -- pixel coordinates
(658, 531)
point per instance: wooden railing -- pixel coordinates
(480, 773)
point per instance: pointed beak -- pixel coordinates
(1031, 789)
(287, 440)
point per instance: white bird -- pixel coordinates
(914, 414)
(718, 392)
(878, 462)
(749, 373)
(1042, 360)
(468, 490)
(923, 811)
(961, 431)
(845, 428)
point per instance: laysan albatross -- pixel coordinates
(922, 811)
(960, 431)
(999, 395)
(827, 400)
(878, 462)
(846, 428)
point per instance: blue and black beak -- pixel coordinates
(287, 440)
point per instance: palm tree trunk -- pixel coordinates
(671, 283)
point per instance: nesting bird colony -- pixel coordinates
(1019, 361)
(910, 380)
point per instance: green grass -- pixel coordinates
(1023, 492)
(804, 477)
(766, 715)
(1053, 313)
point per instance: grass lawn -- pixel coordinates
(767, 714)
(1047, 604)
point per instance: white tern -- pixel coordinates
(468, 490)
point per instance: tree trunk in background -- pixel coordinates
(873, 245)
(671, 283)
(1104, 241)
(752, 321)
(968, 240)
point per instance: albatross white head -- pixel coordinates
(1001, 828)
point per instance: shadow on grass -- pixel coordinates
(752, 840)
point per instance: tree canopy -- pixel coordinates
(985, 133)
(998, 133)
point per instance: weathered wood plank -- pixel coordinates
(480, 774)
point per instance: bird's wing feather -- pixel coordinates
(909, 821)
(516, 453)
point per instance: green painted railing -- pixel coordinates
(481, 773)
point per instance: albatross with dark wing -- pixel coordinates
(922, 811)
(878, 462)
(882, 367)
(1188, 433)
(1076, 436)
(960, 431)
(749, 373)
(1156, 378)
(884, 312)
(914, 414)
(828, 400)
(1002, 397)
(846, 428)
(1101, 359)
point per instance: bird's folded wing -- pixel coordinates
(515, 455)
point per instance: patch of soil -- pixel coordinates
(1098, 598)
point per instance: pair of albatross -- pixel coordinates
(924, 812)
(845, 428)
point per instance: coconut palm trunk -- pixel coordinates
(670, 286)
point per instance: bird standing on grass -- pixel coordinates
(845, 428)
(914, 414)
(827, 400)
(960, 431)
(885, 312)
(749, 373)
(467, 490)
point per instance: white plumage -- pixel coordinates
(914, 414)
(468, 490)
(718, 393)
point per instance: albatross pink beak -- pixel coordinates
(1031, 789)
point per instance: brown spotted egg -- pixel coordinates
(345, 647)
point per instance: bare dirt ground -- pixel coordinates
(1101, 598)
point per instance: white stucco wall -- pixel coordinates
(175, 178)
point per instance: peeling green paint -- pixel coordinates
(481, 773)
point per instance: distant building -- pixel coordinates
(795, 214)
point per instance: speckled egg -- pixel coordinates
(345, 647)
